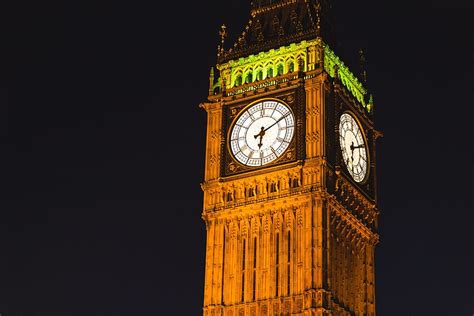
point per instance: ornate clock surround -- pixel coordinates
(344, 103)
(295, 100)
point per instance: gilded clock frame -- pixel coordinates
(366, 146)
(241, 112)
(231, 166)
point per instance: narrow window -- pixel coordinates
(288, 263)
(280, 69)
(238, 80)
(270, 72)
(294, 183)
(248, 78)
(259, 75)
(254, 267)
(277, 262)
(243, 270)
(273, 187)
(251, 192)
(291, 67)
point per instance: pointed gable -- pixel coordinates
(277, 23)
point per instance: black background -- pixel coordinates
(102, 152)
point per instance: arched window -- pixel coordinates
(248, 77)
(251, 192)
(259, 75)
(294, 183)
(238, 80)
(291, 66)
(273, 187)
(280, 69)
(270, 72)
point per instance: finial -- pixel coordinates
(370, 104)
(211, 81)
(363, 73)
(318, 19)
(223, 34)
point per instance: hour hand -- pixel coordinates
(261, 133)
(359, 146)
(355, 147)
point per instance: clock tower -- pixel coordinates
(290, 200)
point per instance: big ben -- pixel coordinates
(290, 200)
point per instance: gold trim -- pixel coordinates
(232, 125)
(366, 147)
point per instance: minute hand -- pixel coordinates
(281, 118)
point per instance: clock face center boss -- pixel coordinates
(261, 133)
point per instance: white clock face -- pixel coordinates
(353, 146)
(262, 133)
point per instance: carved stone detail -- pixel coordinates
(312, 137)
(313, 110)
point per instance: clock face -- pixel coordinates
(262, 133)
(353, 146)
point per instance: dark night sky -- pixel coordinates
(102, 152)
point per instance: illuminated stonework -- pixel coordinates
(295, 236)
(288, 59)
(347, 77)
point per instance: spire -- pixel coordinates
(223, 35)
(318, 19)
(211, 81)
(370, 104)
(363, 72)
(276, 23)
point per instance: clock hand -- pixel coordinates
(263, 129)
(260, 134)
(352, 151)
(281, 118)
(355, 147)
